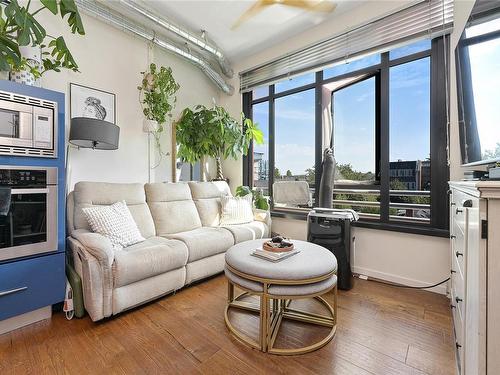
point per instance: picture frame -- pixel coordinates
(91, 102)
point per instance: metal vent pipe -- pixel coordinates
(200, 42)
(116, 19)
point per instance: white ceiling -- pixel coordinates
(273, 25)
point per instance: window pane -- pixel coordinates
(409, 155)
(354, 144)
(485, 72)
(261, 152)
(410, 49)
(354, 123)
(483, 28)
(294, 150)
(352, 66)
(295, 82)
(260, 92)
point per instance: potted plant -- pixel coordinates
(259, 200)
(214, 133)
(157, 98)
(25, 45)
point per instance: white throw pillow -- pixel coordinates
(115, 222)
(236, 210)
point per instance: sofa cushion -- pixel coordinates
(204, 242)
(89, 194)
(152, 257)
(172, 208)
(250, 231)
(206, 196)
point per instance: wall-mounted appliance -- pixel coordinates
(30, 225)
(28, 126)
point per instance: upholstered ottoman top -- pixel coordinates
(313, 261)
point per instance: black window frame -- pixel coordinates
(439, 221)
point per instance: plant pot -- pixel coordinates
(24, 76)
(149, 126)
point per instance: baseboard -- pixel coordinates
(441, 289)
(22, 320)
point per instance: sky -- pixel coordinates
(354, 111)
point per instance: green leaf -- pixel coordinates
(50, 5)
(74, 19)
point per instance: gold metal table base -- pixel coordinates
(272, 310)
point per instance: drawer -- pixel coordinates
(458, 294)
(30, 284)
(458, 329)
(459, 203)
(459, 248)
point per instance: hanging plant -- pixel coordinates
(214, 133)
(19, 27)
(157, 98)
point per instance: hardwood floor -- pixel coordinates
(381, 330)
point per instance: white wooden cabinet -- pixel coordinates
(475, 275)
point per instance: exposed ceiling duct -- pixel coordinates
(116, 19)
(198, 41)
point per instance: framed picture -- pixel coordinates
(89, 102)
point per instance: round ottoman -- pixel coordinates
(308, 274)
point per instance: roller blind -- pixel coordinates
(427, 19)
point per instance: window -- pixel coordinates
(383, 132)
(260, 92)
(409, 135)
(261, 152)
(352, 66)
(294, 82)
(410, 49)
(294, 149)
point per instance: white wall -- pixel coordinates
(111, 60)
(402, 258)
(398, 257)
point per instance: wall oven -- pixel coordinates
(28, 126)
(28, 211)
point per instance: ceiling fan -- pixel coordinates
(324, 6)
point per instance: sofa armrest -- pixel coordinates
(97, 245)
(96, 256)
(263, 216)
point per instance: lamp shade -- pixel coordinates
(93, 133)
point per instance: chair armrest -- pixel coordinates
(263, 216)
(97, 245)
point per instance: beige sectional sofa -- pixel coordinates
(184, 241)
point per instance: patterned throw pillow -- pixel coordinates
(115, 222)
(236, 210)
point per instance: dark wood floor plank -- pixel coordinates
(381, 330)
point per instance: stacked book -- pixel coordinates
(273, 256)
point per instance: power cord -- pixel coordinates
(405, 286)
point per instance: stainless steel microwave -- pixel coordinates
(28, 126)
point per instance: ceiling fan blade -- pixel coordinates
(251, 12)
(325, 6)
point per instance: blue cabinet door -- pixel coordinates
(30, 284)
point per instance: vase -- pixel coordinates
(149, 126)
(34, 59)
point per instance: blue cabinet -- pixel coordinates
(30, 284)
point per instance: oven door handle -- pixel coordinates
(30, 191)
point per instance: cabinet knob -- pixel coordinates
(452, 237)
(458, 299)
(467, 203)
(453, 271)
(453, 307)
(458, 254)
(458, 211)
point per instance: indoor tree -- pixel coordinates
(19, 27)
(214, 133)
